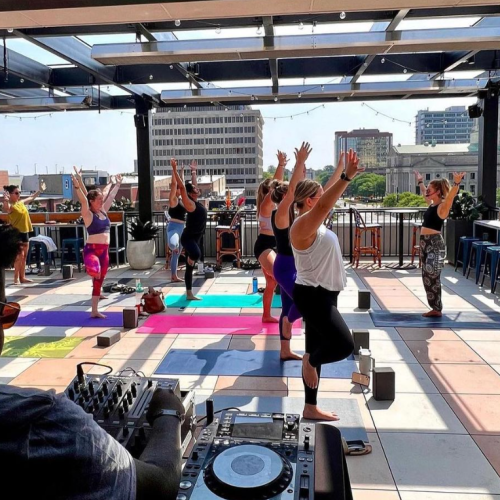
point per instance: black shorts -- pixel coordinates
(24, 237)
(262, 243)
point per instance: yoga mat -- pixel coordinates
(350, 424)
(249, 363)
(68, 318)
(59, 299)
(39, 347)
(226, 300)
(469, 320)
(212, 325)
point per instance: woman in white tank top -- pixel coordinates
(320, 278)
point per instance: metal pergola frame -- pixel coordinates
(344, 60)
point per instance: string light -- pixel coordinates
(10, 30)
(299, 95)
(378, 112)
(275, 99)
(343, 15)
(150, 77)
(177, 22)
(382, 60)
(301, 25)
(259, 30)
(217, 30)
(22, 80)
(171, 66)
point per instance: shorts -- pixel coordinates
(24, 237)
(262, 243)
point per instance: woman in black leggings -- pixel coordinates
(320, 278)
(196, 222)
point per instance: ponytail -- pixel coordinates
(442, 185)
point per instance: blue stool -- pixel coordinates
(72, 243)
(494, 253)
(478, 251)
(464, 243)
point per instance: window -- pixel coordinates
(472, 176)
(66, 184)
(427, 177)
(473, 189)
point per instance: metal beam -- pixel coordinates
(397, 20)
(31, 104)
(269, 44)
(26, 68)
(363, 68)
(299, 46)
(458, 60)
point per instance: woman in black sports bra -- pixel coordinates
(439, 196)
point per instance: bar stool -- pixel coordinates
(494, 254)
(415, 247)
(72, 243)
(464, 243)
(478, 252)
(40, 250)
(234, 230)
(496, 280)
(375, 247)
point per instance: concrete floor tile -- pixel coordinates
(428, 413)
(57, 372)
(429, 334)
(489, 351)
(483, 335)
(443, 352)
(262, 344)
(427, 495)
(50, 331)
(182, 343)
(412, 378)
(88, 349)
(89, 332)
(140, 348)
(373, 471)
(391, 351)
(375, 495)
(189, 382)
(326, 385)
(438, 463)
(464, 378)
(147, 366)
(479, 413)
(490, 446)
(252, 383)
(12, 367)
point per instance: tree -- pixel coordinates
(368, 185)
(405, 199)
(323, 177)
(498, 197)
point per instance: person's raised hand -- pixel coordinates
(6, 196)
(193, 165)
(418, 176)
(458, 176)
(119, 178)
(282, 158)
(303, 153)
(352, 167)
(76, 182)
(42, 186)
(173, 163)
(341, 162)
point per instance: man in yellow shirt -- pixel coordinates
(19, 218)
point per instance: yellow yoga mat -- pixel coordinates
(39, 347)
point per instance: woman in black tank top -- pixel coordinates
(196, 222)
(439, 196)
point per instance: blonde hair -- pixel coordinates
(264, 188)
(441, 185)
(279, 192)
(305, 189)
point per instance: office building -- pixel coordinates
(223, 141)
(371, 145)
(451, 126)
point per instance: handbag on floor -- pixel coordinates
(153, 301)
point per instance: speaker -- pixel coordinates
(384, 384)
(475, 111)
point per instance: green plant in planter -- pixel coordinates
(69, 206)
(142, 231)
(465, 207)
(121, 205)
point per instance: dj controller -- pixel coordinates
(250, 456)
(119, 404)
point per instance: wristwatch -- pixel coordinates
(167, 413)
(345, 178)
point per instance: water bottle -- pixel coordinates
(201, 268)
(255, 285)
(139, 291)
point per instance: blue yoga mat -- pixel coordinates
(350, 424)
(68, 318)
(470, 320)
(249, 363)
(227, 300)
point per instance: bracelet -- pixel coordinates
(420, 182)
(456, 183)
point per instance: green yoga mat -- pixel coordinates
(254, 300)
(39, 347)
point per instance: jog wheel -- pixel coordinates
(248, 472)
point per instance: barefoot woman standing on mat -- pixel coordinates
(439, 196)
(95, 217)
(320, 278)
(265, 244)
(196, 222)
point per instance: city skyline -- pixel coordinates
(107, 141)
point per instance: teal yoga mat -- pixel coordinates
(254, 300)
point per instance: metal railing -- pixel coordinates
(343, 224)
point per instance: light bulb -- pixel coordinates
(322, 88)
(10, 30)
(299, 95)
(218, 30)
(405, 71)
(22, 80)
(177, 22)
(150, 77)
(343, 15)
(171, 66)
(259, 30)
(252, 98)
(185, 106)
(275, 99)
(382, 60)
(301, 25)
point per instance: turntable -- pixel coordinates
(250, 456)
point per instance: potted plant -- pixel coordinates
(464, 211)
(141, 249)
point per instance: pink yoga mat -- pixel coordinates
(212, 325)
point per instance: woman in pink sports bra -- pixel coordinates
(95, 205)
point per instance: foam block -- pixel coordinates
(364, 299)
(108, 338)
(130, 317)
(67, 271)
(361, 339)
(384, 384)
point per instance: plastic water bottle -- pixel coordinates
(201, 268)
(139, 291)
(255, 285)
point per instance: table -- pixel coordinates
(400, 213)
(489, 225)
(114, 227)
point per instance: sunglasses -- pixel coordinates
(9, 315)
(430, 194)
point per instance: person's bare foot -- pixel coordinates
(16, 283)
(98, 315)
(309, 373)
(103, 297)
(191, 296)
(26, 280)
(287, 328)
(270, 319)
(286, 354)
(432, 314)
(312, 412)
(176, 279)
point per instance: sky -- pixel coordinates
(107, 141)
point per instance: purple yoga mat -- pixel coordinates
(68, 318)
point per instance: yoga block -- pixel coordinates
(361, 338)
(209, 274)
(384, 384)
(67, 272)
(364, 299)
(130, 317)
(108, 338)
(46, 270)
